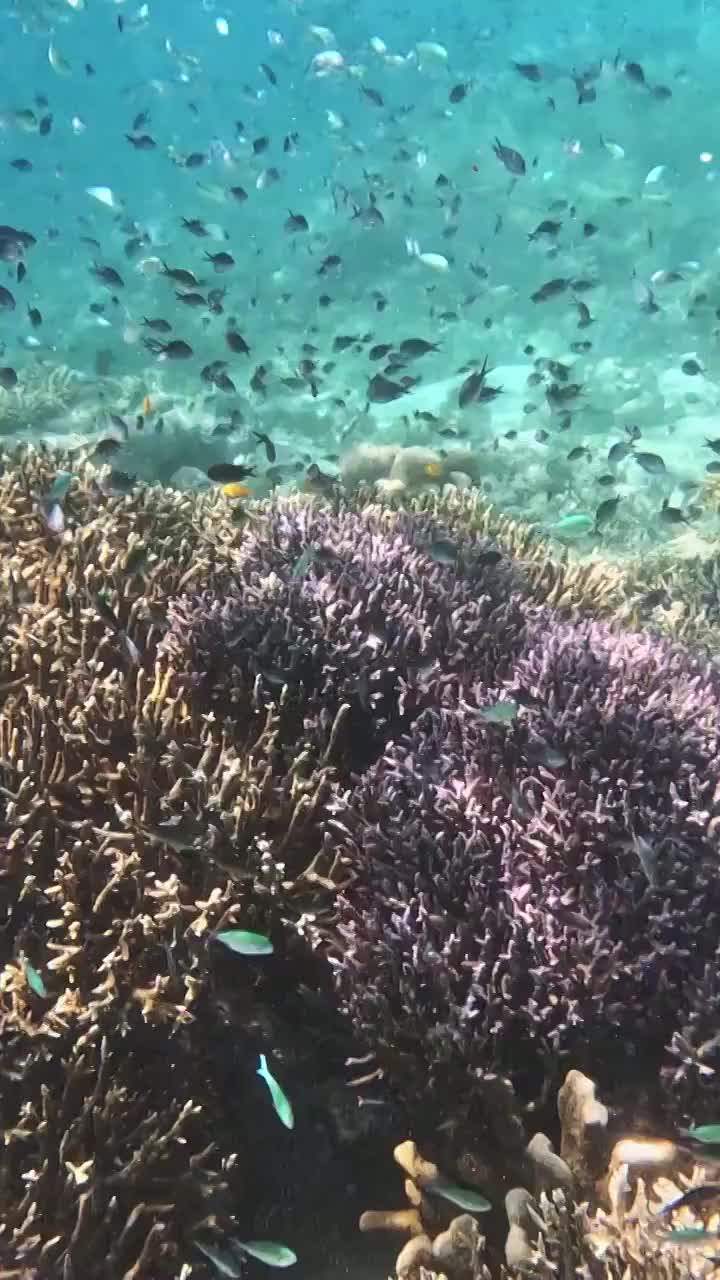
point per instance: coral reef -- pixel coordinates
(132, 828)
(601, 1226)
(543, 889)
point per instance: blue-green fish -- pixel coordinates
(708, 1133)
(245, 943)
(34, 980)
(59, 487)
(500, 712)
(267, 1251)
(463, 1197)
(574, 525)
(226, 1264)
(690, 1235)
(281, 1103)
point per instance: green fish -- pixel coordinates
(267, 1251)
(690, 1235)
(34, 980)
(575, 525)
(708, 1133)
(59, 487)
(226, 1265)
(282, 1104)
(303, 562)
(500, 712)
(463, 1197)
(245, 943)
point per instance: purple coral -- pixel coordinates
(345, 608)
(542, 892)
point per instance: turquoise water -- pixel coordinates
(380, 125)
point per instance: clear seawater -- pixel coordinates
(635, 161)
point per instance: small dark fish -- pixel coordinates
(713, 444)
(180, 276)
(472, 387)
(268, 73)
(606, 512)
(260, 145)
(413, 348)
(121, 481)
(21, 164)
(619, 451)
(8, 378)
(691, 368)
(373, 95)
(263, 439)
(331, 263)
(107, 275)
(584, 317)
(45, 126)
(141, 142)
(236, 342)
(191, 299)
(159, 325)
(651, 462)
(175, 350)
(458, 92)
(512, 160)
(296, 222)
(580, 451)
(529, 71)
(195, 226)
(380, 351)
(6, 299)
(713, 468)
(634, 72)
(239, 194)
(221, 261)
(35, 317)
(107, 447)
(551, 289)
(546, 228)
(672, 515)
(589, 229)
(229, 472)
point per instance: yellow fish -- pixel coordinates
(433, 470)
(236, 490)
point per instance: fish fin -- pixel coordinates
(262, 1069)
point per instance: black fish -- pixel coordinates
(472, 388)
(175, 350)
(107, 275)
(606, 512)
(8, 378)
(229, 472)
(651, 462)
(512, 160)
(141, 142)
(221, 261)
(550, 290)
(236, 342)
(270, 451)
(713, 444)
(529, 71)
(296, 222)
(35, 317)
(180, 276)
(458, 92)
(546, 228)
(382, 390)
(413, 348)
(159, 325)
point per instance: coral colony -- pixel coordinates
(341, 775)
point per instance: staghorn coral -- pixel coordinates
(132, 826)
(541, 893)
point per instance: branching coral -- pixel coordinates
(542, 891)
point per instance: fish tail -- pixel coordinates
(262, 1069)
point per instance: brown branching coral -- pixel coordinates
(133, 826)
(561, 1225)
